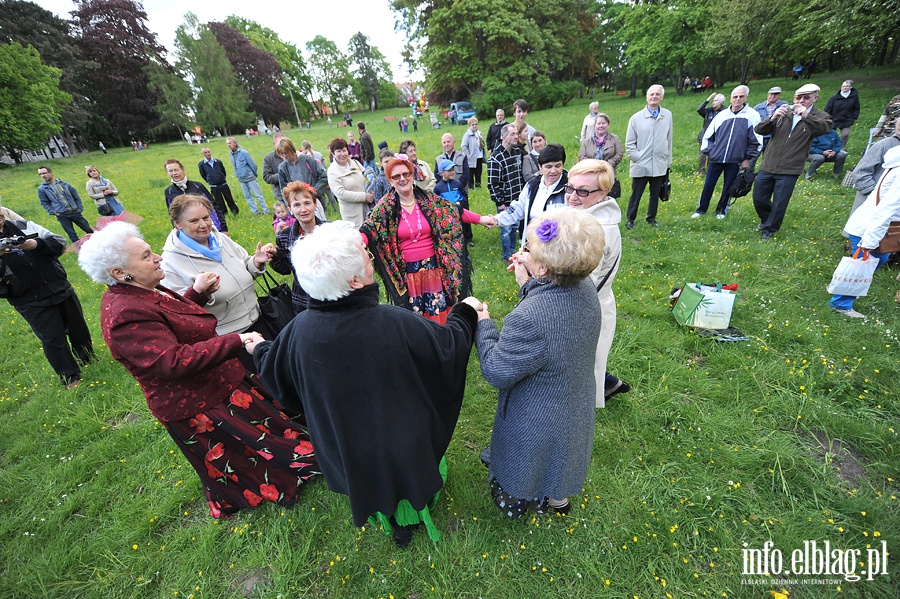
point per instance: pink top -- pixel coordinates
(415, 233)
(288, 220)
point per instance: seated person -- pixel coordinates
(826, 148)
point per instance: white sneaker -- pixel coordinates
(851, 313)
(720, 216)
(697, 215)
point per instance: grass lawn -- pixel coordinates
(720, 447)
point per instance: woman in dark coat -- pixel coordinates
(543, 365)
(844, 109)
(244, 449)
(708, 114)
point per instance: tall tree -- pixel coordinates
(296, 83)
(115, 33)
(257, 70)
(221, 103)
(30, 99)
(175, 100)
(330, 71)
(370, 69)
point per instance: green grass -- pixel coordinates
(790, 436)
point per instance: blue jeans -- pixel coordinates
(508, 240)
(845, 302)
(371, 163)
(251, 189)
(67, 218)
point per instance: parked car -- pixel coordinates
(460, 112)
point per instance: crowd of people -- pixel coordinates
(187, 324)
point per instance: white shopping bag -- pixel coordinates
(853, 276)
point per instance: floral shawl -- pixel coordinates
(381, 229)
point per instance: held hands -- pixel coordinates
(488, 221)
(206, 283)
(251, 340)
(480, 307)
(264, 253)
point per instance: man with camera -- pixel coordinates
(34, 283)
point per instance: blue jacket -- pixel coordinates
(730, 136)
(53, 204)
(244, 168)
(452, 190)
(764, 114)
(830, 141)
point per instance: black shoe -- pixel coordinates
(562, 510)
(759, 227)
(69, 381)
(629, 225)
(620, 387)
(766, 236)
(653, 223)
(402, 534)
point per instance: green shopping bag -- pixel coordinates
(704, 306)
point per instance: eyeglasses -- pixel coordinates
(804, 97)
(371, 255)
(581, 193)
(398, 176)
(525, 247)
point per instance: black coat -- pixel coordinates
(843, 111)
(37, 277)
(381, 389)
(215, 174)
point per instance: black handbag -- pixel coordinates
(665, 191)
(276, 309)
(742, 185)
(104, 209)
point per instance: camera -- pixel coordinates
(9, 242)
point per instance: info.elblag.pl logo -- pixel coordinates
(816, 559)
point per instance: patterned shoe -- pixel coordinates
(511, 506)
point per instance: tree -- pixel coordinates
(371, 69)
(296, 83)
(330, 71)
(30, 99)
(175, 99)
(115, 33)
(221, 102)
(257, 71)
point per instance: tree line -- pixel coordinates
(103, 76)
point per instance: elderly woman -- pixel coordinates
(588, 190)
(191, 378)
(546, 190)
(473, 147)
(844, 109)
(347, 182)
(418, 244)
(868, 224)
(301, 201)
(181, 185)
(603, 145)
(195, 246)
(384, 395)
(103, 192)
(708, 113)
(543, 365)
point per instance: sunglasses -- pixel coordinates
(399, 176)
(581, 193)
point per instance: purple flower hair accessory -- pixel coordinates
(547, 230)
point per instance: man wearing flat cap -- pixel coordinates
(765, 110)
(793, 129)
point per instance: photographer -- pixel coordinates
(34, 283)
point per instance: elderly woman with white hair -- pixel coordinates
(543, 365)
(386, 388)
(708, 114)
(244, 448)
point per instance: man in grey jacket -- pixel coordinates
(245, 170)
(648, 144)
(271, 162)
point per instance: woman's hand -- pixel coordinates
(206, 283)
(370, 197)
(480, 307)
(251, 340)
(264, 253)
(520, 267)
(488, 221)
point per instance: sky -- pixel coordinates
(295, 22)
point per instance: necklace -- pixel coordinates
(413, 203)
(409, 225)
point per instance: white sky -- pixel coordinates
(296, 22)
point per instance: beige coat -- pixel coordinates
(648, 143)
(349, 186)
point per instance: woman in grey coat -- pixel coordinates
(543, 365)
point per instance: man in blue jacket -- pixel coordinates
(827, 148)
(245, 170)
(731, 144)
(61, 200)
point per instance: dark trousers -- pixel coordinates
(638, 184)
(66, 219)
(771, 195)
(463, 204)
(56, 327)
(223, 199)
(475, 174)
(712, 177)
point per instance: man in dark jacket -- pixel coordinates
(793, 129)
(213, 172)
(34, 283)
(61, 200)
(366, 147)
(385, 394)
(844, 109)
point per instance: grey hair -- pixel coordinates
(105, 250)
(720, 98)
(745, 89)
(327, 259)
(504, 131)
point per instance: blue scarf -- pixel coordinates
(213, 251)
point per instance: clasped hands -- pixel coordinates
(489, 221)
(480, 307)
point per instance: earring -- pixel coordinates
(128, 278)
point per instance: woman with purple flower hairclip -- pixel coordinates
(543, 365)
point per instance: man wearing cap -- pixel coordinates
(459, 160)
(793, 129)
(766, 110)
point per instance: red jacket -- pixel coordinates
(169, 345)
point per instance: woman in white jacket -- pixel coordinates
(347, 181)
(195, 246)
(588, 189)
(868, 224)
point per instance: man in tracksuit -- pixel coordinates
(731, 144)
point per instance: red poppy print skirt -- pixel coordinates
(245, 451)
